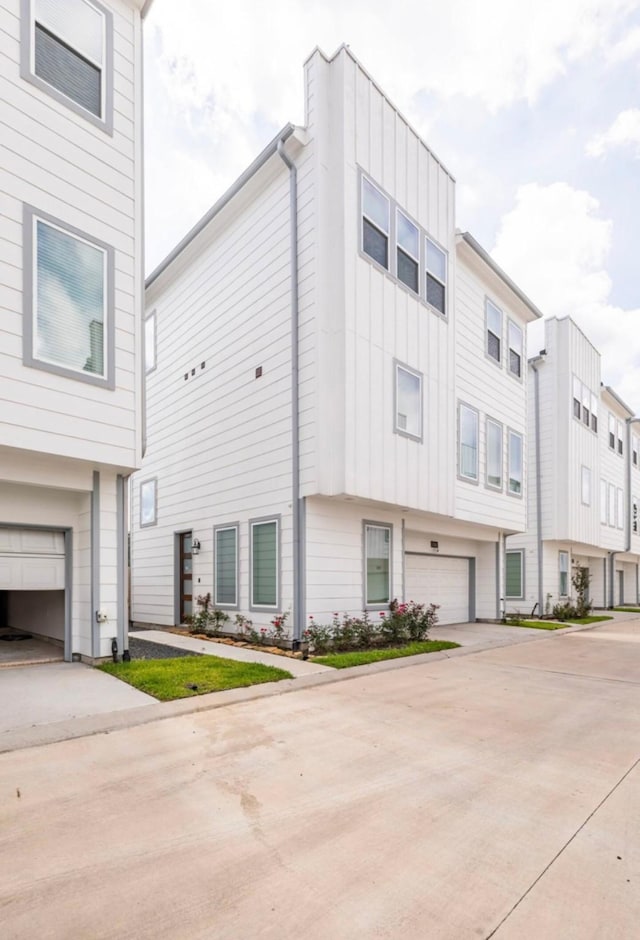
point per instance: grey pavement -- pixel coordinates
(493, 793)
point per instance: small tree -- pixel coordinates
(580, 581)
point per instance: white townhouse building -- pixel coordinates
(583, 452)
(71, 290)
(336, 395)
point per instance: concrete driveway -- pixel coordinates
(495, 794)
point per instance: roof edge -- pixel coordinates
(488, 260)
(617, 398)
(226, 197)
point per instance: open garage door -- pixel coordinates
(32, 583)
(436, 579)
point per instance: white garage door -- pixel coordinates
(432, 579)
(31, 560)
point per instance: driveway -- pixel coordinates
(495, 794)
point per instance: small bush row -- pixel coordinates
(402, 623)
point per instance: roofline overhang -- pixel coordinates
(497, 270)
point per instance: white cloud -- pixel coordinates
(555, 246)
(623, 131)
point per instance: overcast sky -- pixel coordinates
(534, 108)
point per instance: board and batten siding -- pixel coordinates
(219, 440)
(60, 163)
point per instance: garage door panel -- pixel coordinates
(31, 573)
(433, 579)
(31, 542)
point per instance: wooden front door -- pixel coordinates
(186, 580)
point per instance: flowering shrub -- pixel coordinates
(278, 624)
(207, 619)
(403, 623)
(244, 626)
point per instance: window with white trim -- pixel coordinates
(494, 454)
(585, 486)
(148, 502)
(377, 542)
(408, 419)
(634, 450)
(375, 223)
(563, 572)
(225, 568)
(407, 252)
(594, 413)
(436, 277)
(468, 442)
(69, 54)
(612, 431)
(620, 428)
(514, 574)
(603, 502)
(493, 316)
(68, 300)
(586, 406)
(620, 508)
(515, 350)
(515, 463)
(577, 398)
(611, 514)
(265, 563)
(150, 343)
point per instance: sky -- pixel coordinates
(533, 108)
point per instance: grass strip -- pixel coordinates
(537, 624)
(169, 679)
(628, 610)
(363, 657)
(589, 619)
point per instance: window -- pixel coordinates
(515, 463)
(150, 343)
(611, 515)
(603, 502)
(408, 251)
(634, 450)
(436, 277)
(515, 350)
(69, 54)
(408, 402)
(585, 486)
(494, 331)
(494, 454)
(225, 575)
(612, 432)
(514, 586)
(148, 502)
(620, 427)
(375, 223)
(620, 509)
(635, 514)
(594, 413)
(563, 570)
(68, 290)
(468, 442)
(377, 539)
(577, 398)
(264, 563)
(586, 405)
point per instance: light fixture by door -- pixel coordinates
(195, 547)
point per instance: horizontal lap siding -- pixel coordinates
(219, 442)
(56, 161)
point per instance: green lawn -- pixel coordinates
(537, 624)
(168, 679)
(589, 619)
(628, 610)
(362, 657)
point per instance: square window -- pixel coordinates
(515, 463)
(493, 317)
(148, 502)
(468, 442)
(375, 223)
(494, 454)
(514, 564)
(226, 566)
(515, 350)
(436, 277)
(68, 52)
(265, 564)
(377, 539)
(408, 402)
(68, 290)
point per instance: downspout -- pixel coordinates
(296, 502)
(536, 405)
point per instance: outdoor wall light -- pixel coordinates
(195, 547)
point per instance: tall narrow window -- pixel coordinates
(585, 485)
(514, 586)
(515, 463)
(620, 509)
(515, 350)
(264, 564)
(69, 309)
(408, 251)
(603, 502)
(148, 502)
(494, 454)
(226, 566)
(494, 331)
(377, 540)
(150, 343)
(594, 413)
(611, 515)
(634, 450)
(468, 442)
(577, 398)
(586, 406)
(69, 54)
(375, 223)
(408, 402)
(563, 570)
(635, 514)
(612, 431)
(436, 277)
(620, 432)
